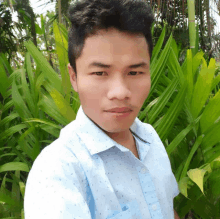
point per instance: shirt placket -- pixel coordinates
(149, 192)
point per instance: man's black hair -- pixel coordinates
(89, 16)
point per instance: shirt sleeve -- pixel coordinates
(54, 187)
(175, 187)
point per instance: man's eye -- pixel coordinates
(98, 73)
(135, 72)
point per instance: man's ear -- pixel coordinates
(72, 77)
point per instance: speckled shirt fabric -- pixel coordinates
(84, 174)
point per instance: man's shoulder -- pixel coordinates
(154, 138)
(57, 160)
(54, 154)
(148, 131)
(60, 152)
(148, 127)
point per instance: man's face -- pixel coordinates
(116, 86)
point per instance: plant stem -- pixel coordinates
(192, 29)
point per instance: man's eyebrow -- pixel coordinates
(102, 65)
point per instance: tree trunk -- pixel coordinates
(11, 5)
(208, 20)
(33, 30)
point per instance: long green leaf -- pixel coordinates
(196, 62)
(8, 119)
(212, 137)
(158, 46)
(211, 113)
(8, 105)
(4, 82)
(29, 70)
(143, 113)
(183, 183)
(6, 64)
(44, 65)
(47, 126)
(44, 121)
(162, 101)
(64, 31)
(214, 181)
(189, 75)
(51, 130)
(13, 205)
(47, 105)
(202, 90)
(15, 76)
(169, 118)
(28, 96)
(213, 153)
(215, 82)
(25, 141)
(19, 103)
(157, 69)
(174, 67)
(61, 47)
(176, 141)
(192, 152)
(12, 130)
(14, 166)
(63, 106)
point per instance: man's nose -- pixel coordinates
(119, 89)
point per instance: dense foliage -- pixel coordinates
(7, 42)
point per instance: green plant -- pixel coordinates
(37, 103)
(184, 108)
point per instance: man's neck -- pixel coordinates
(124, 138)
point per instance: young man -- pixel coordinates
(106, 163)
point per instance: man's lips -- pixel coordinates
(119, 110)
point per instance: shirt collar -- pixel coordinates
(95, 139)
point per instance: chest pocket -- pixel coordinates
(130, 210)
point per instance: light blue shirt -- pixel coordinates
(84, 174)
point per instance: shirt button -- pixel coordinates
(154, 207)
(143, 170)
